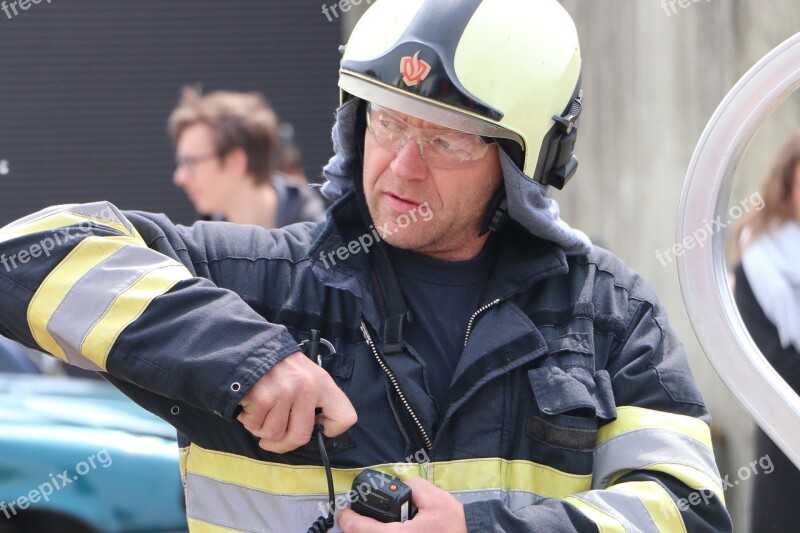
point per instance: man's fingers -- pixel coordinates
(253, 419)
(301, 421)
(275, 423)
(423, 492)
(279, 447)
(340, 415)
(352, 522)
(280, 408)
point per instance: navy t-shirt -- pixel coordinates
(442, 296)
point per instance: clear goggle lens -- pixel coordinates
(439, 147)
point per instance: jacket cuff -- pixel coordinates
(250, 369)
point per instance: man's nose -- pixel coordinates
(181, 175)
(408, 162)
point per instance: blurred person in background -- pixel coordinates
(290, 157)
(767, 291)
(227, 156)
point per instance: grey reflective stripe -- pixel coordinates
(103, 211)
(513, 499)
(626, 509)
(246, 509)
(636, 450)
(91, 296)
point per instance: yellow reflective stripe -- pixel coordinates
(281, 479)
(613, 480)
(85, 256)
(183, 454)
(61, 219)
(452, 476)
(604, 521)
(198, 526)
(652, 424)
(482, 474)
(690, 476)
(630, 418)
(127, 307)
(660, 506)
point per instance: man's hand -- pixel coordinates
(279, 409)
(438, 511)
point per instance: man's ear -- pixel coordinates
(235, 161)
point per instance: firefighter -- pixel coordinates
(518, 378)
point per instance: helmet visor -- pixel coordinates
(413, 105)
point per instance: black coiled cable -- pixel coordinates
(323, 524)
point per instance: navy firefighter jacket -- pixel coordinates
(572, 407)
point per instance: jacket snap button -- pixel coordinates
(175, 410)
(236, 386)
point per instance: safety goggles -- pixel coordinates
(440, 148)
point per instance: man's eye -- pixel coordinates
(449, 144)
(441, 143)
(390, 125)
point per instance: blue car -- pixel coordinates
(15, 358)
(77, 456)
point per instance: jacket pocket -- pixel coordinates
(571, 403)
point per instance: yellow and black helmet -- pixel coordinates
(508, 70)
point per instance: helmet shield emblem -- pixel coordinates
(414, 69)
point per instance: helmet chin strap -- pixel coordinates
(497, 212)
(358, 177)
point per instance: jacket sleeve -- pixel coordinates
(146, 301)
(654, 468)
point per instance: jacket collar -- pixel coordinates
(340, 259)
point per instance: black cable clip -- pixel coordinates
(311, 349)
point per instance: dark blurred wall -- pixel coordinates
(86, 87)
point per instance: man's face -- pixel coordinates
(201, 173)
(442, 209)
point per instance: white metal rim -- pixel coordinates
(702, 269)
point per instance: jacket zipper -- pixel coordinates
(475, 315)
(424, 434)
(420, 428)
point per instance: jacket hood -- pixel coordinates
(528, 203)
